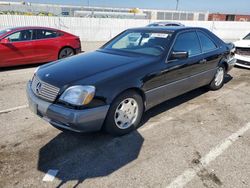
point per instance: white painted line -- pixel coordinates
(50, 176)
(13, 109)
(190, 173)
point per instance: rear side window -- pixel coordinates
(187, 42)
(45, 34)
(206, 43)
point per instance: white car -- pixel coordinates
(242, 53)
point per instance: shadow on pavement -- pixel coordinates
(82, 156)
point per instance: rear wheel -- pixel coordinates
(124, 114)
(66, 52)
(219, 78)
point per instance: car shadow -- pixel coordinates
(82, 156)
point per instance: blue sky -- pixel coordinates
(223, 6)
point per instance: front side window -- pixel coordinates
(149, 43)
(187, 42)
(206, 43)
(19, 36)
(45, 34)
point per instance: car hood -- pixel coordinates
(242, 43)
(64, 72)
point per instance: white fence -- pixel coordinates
(102, 29)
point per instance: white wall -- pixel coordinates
(102, 29)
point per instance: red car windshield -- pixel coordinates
(2, 32)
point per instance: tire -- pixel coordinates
(129, 104)
(66, 52)
(219, 78)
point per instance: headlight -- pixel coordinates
(78, 95)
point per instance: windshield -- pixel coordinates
(247, 37)
(4, 31)
(148, 43)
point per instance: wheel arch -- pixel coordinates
(224, 62)
(67, 46)
(134, 89)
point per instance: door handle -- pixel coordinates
(202, 61)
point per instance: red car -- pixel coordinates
(27, 45)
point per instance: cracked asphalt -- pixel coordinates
(173, 137)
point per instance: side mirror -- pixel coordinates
(179, 55)
(5, 41)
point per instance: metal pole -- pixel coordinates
(177, 4)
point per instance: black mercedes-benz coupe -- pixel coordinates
(112, 87)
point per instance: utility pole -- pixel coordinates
(177, 4)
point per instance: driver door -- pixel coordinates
(176, 76)
(18, 50)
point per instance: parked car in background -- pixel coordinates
(243, 52)
(28, 45)
(159, 24)
(113, 86)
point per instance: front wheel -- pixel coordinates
(125, 114)
(219, 78)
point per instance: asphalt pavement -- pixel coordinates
(199, 139)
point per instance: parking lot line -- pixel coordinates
(13, 109)
(50, 175)
(190, 173)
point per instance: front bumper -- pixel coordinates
(86, 120)
(243, 61)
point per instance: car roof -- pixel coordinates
(166, 23)
(29, 27)
(171, 29)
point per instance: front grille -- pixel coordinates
(243, 51)
(44, 90)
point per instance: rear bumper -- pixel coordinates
(86, 120)
(78, 50)
(243, 61)
(231, 62)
